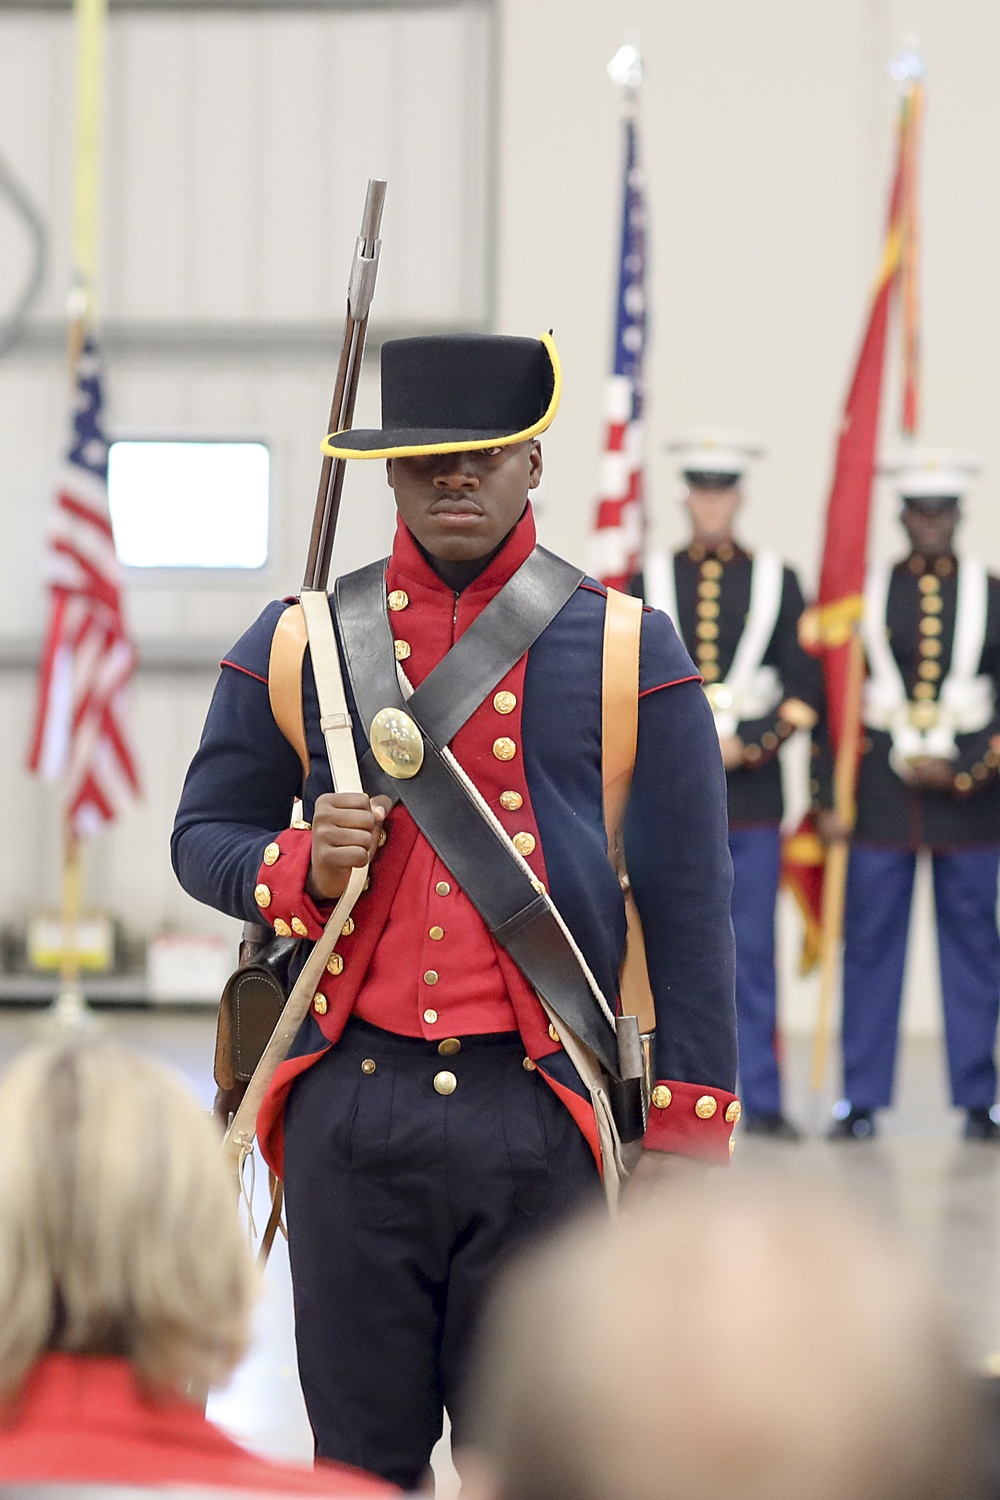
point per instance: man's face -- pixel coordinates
(931, 528)
(712, 511)
(460, 506)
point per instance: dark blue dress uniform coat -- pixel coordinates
(959, 826)
(406, 1187)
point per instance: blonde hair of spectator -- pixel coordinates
(732, 1336)
(118, 1226)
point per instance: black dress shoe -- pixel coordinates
(775, 1127)
(981, 1126)
(855, 1125)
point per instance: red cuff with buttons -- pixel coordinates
(280, 892)
(686, 1119)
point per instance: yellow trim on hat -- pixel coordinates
(415, 451)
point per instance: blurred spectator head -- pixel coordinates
(118, 1225)
(729, 1337)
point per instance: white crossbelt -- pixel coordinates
(965, 702)
(750, 689)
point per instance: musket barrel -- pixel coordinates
(360, 290)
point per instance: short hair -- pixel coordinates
(119, 1232)
(725, 1337)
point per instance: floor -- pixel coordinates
(943, 1193)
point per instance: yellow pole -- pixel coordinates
(91, 24)
(90, 16)
(835, 874)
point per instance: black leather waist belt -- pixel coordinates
(475, 850)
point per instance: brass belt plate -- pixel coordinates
(923, 715)
(397, 743)
(720, 697)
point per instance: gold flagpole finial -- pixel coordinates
(625, 68)
(907, 67)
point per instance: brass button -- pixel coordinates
(734, 1112)
(929, 670)
(449, 1046)
(711, 569)
(706, 1107)
(335, 964)
(262, 896)
(402, 650)
(431, 977)
(368, 1065)
(512, 801)
(553, 1033)
(347, 928)
(930, 625)
(367, 884)
(298, 823)
(928, 584)
(923, 690)
(707, 651)
(271, 854)
(299, 927)
(528, 1065)
(708, 609)
(443, 888)
(430, 1016)
(320, 1005)
(504, 749)
(708, 589)
(709, 671)
(929, 647)
(707, 631)
(732, 1144)
(769, 740)
(661, 1096)
(382, 836)
(445, 1083)
(281, 928)
(963, 782)
(538, 885)
(504, 703)
(932, 604)
(524, 843)
(436, 934)
(398, 599)
(752, 753)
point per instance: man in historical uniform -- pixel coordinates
(430, 1116)
(737, 612)
(928, 781)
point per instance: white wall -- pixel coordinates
(768, 136)
(237, 150)
(234, 184)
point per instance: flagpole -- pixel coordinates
(70, 1009)
(835, 875)
(900, 264)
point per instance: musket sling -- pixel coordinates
(444, 805)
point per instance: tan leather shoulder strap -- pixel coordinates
(619, 710)
(619, 738)
(284, 681)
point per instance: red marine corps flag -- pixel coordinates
(829, 628)
(617, 540)
(81, 734)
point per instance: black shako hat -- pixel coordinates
(447, 392)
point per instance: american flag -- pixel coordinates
(81, 732)
(616, 542)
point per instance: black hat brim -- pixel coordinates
(411, 442)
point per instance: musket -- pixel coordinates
(239, 1138)
(360, 291)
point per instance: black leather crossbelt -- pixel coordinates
(476, 852)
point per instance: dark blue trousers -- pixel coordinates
(876, 925)
(756, 856)
(403, 1203)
